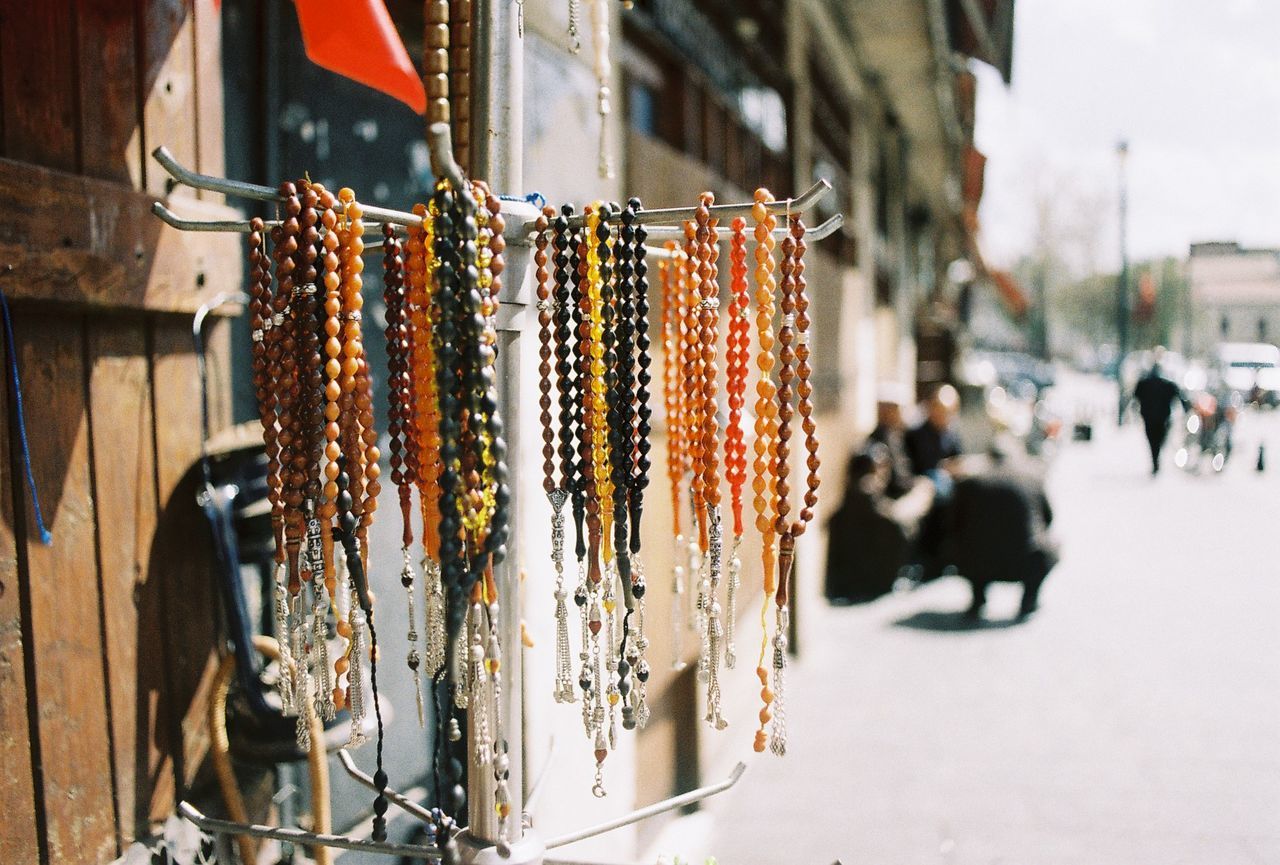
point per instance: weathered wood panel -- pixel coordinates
(183, 558)
(111, 135)
(210, 155)
(75, 240)
(18, 841)
(65, 626)
(133, 607)
(169, 86)
(37, 69)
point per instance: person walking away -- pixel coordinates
(999, 530)
(1156, 396)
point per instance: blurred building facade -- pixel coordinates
(1235, 294)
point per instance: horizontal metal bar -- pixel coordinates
(823, 229)
(651, 810)
(299, 836)
(407, 805)
(662, 215)
(241, 226)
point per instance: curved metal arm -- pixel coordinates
(240, 189)
(652, 810)
(407, 805)
(299, 836)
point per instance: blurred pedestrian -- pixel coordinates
(869, 536)
(1156, 396)
(998, 530)
(934, 441)
(891, 431)
(932, 446)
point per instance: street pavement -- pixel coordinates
(1135, 719)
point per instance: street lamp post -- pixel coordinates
(1122, 288)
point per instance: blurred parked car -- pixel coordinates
(1251, 369)
(1002, 397)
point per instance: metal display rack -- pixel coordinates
(498, 71)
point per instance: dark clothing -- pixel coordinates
(1156, 434)
(1156, 396)
(927, 447)
(894, 440)
(866, 548)
(998, 532)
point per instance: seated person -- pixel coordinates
(870, 535)
(891, 431)
(931, 444)
(998, 530)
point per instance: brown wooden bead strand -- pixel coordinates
(435, 59)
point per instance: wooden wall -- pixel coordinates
(106, 635)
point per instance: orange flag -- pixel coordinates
(356, 39)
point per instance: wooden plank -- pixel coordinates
(18, 840)
(168, 86)
(66, 632)
(110, 127)
(210, 155)
(76, 240)
(39, 84)
(184, 559)
(133, 608)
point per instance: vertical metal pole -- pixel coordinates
(1122, 289)
(496, 133)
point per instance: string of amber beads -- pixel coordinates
(737, 361)
(764, 479)
(670, 269)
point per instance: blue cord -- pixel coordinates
(46, 536)
(537, 199)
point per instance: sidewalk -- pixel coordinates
(1133, 720)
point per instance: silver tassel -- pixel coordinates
(677, 607)
(731, 618)
(778, 732)
(413, 659)
(564, 666)
(355, 674)
(284, 640)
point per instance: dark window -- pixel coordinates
(642, 108)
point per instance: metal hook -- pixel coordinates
(406, 804)
(301, 837)
(651, 810)
(240, 189)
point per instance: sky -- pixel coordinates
(1193, 85)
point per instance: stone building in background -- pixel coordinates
(1235, 295)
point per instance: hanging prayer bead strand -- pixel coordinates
(670, 270)
(764, 480)
(793, 357)
(436, 60)
(452, 563)
(460, 80)
(708, 322)
(639, 479)
(565, 392)
(737, 359)
(603, 67)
